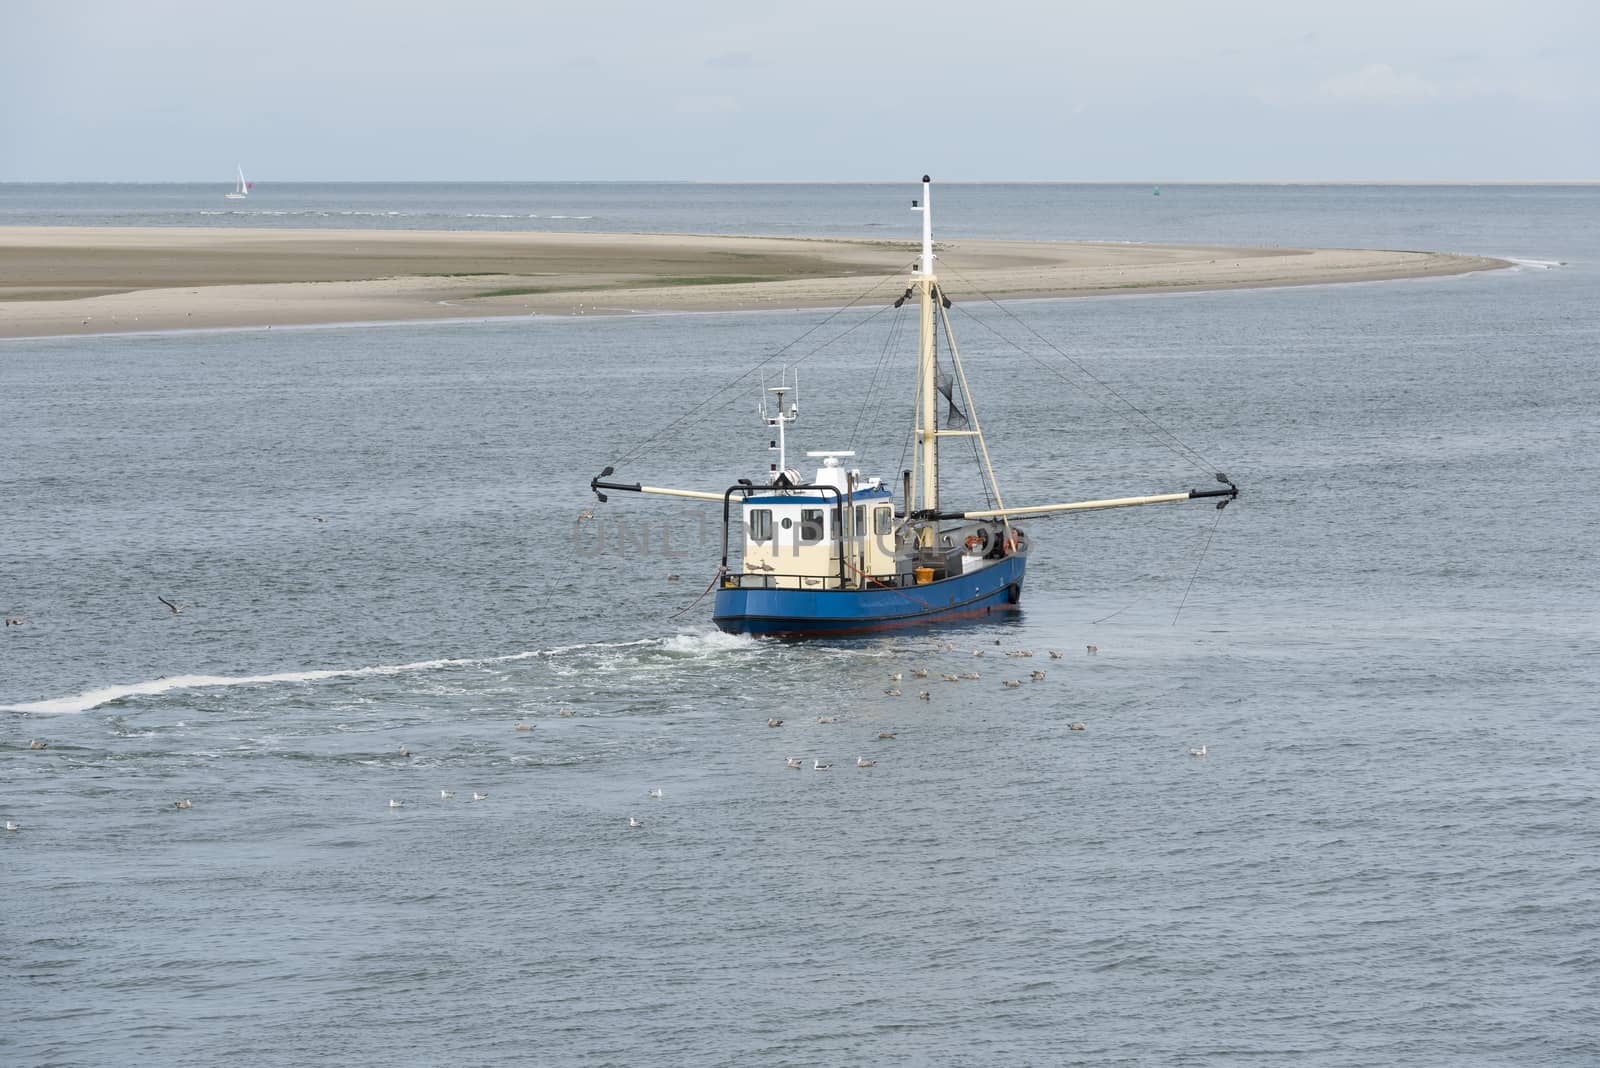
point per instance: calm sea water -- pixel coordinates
(1387, 646)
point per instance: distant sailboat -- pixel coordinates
(241, 189)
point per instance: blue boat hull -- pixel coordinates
(813, 612)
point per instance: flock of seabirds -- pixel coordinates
(794, 763)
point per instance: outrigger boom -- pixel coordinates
(1085, 506)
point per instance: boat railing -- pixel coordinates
(763, 580)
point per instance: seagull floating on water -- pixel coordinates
(446, 795)
(1077, 727)
(1056, 654)
(404, 751)
(480, 797)
(884, 736)
(893, 691)
(566, 713)
(795, 762)
(1036, 676)
(817, 765)
(10, 826)
(827, 719)
(655, 794)
(920, 673)
(396, 804)
(774, 722)
(185, 803)
(526, 726)
(1092, 649)
(34, 743)
(863, 762)
(635, 824)
(1011, 684)
(15, 621)
(1200, 751)
(925, 695)
(895, 676)
(175, 606)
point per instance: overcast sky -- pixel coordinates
(1147, 90)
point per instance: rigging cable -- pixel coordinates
(712, 397)
(1166, 437)
(1197, 564)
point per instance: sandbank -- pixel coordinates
(58, 281)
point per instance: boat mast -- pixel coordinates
(927, 385)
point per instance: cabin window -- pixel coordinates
(761, 524)
(882, 521)
(810, 526)
(861, 519)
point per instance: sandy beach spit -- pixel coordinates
(57, 281)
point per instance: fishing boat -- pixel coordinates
(841, 552)
(241, 188)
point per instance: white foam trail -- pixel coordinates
(83, 702)
(1542, 265)
(709, 642)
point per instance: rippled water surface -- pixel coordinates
(1386, 856)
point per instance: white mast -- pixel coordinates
(927, 385)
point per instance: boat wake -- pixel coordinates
(694, 644)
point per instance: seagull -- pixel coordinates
(404, 752)
(1092, 649)
(566, 713)
(479, 797)
(950, 678)
(884, 736)
(774, 722)
(1201, 751)
(1056, 654)
(795, 762)
(760, 565)
(586, 515)
(526, 726)
(863, 762)
(635, 824)
(396, 804)
(10, 826)
(893, 691)
(15, 621)
(446, 795)
(827, 719)
(177, 609)
(34, 743)
(977, 652)
(973, 675)
(185, 803)
(672, 578)
(817, 765)
(1077, 727)
(1036, 676)
(1011, 684)
(320, 519)
(925, 695)
(655, 794)
(895, 676)
(920, 673)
